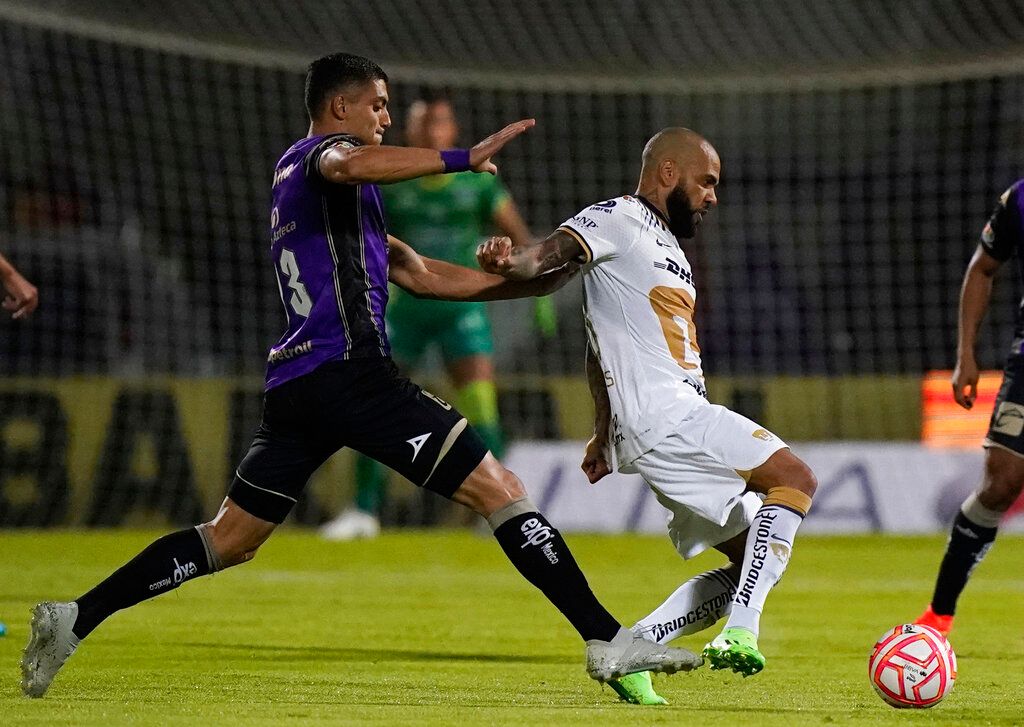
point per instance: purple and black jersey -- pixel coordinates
(1003, 237)
(330, 252)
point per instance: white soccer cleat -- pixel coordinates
(351, 525)
(51, 643)
(629, 653)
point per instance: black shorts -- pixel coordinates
(363, 404)
(1006, 428)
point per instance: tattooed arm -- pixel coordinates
(523, 262)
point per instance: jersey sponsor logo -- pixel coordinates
(275, 218)
(762, 434)
(284, 354)
(675, 268)
(605, 207)
(585, 222)
(1009, 419)
(282, 174)
(417, 444)
(282, 231)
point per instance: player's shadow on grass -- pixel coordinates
(262, 652)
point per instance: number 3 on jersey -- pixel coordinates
(300, 300)
(671, 304)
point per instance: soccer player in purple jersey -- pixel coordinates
(331, 384)
(975, 525)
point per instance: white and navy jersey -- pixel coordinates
(1003, 237)
(639, 300)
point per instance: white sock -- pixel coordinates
(769, 545)
(695, 605)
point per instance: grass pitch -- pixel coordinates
(436, 628)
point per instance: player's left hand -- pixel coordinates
(481, 153)
(494, 255)
(22, 297)
(595, 464)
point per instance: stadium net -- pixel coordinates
(134, 193)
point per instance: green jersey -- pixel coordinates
(444, 216)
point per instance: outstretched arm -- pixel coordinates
(387, 164)
(20, 296)
(974, 299)
(522, 262)
(425, 277)
(595, 463)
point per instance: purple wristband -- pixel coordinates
(455, 160)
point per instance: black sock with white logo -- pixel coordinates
(163, 566)
(540, 554)
(968, 544)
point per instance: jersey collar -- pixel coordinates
(657, 212)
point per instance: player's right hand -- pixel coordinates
(965, 382)
(480, 155)
(21, 296)
(494, 255)
(595, 464)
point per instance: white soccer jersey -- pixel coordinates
(638, 306)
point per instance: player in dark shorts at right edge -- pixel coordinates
(974, 528)
(331, 384)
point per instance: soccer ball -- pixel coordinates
(912, 666)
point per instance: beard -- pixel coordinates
(682, 218)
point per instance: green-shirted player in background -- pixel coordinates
(444, 217)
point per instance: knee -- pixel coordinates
(795, 476)
(804, 480)
(489, 488)
(231, 548)
(1001, 487)
(502, 488)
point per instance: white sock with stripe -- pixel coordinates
(694, 606)
(769, 545)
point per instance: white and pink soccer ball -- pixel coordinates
(912, 666)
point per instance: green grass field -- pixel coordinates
(436, 628)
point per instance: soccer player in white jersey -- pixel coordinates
(728, 482)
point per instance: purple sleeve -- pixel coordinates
(311, 160)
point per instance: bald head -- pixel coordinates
(679, 175)
(682, 146)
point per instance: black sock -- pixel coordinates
(163, 566)
(968, 544)
(540, 554)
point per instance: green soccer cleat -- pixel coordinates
(735, 649)
(637, 689)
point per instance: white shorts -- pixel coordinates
(699, 473)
